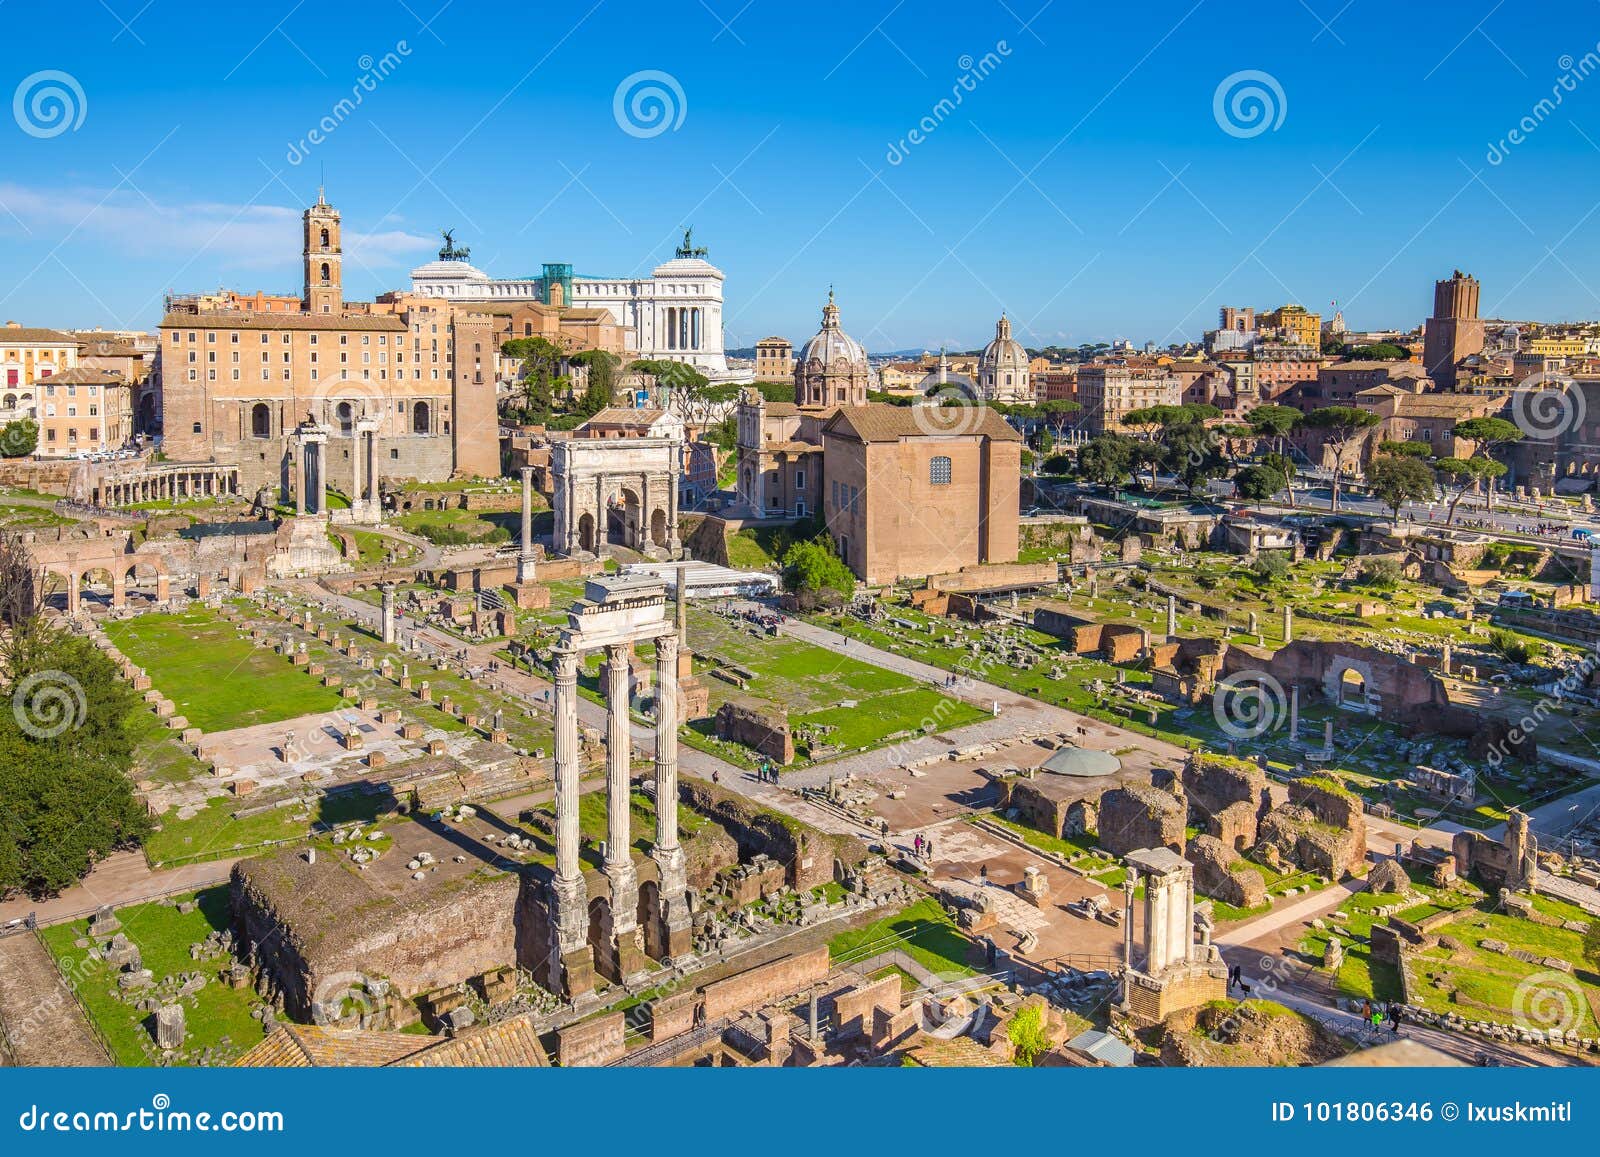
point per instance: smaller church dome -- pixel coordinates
(831, 344)
(1003, 353)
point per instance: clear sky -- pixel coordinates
(1088, 180)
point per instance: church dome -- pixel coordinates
(1003, 353)
(831, 344)
(1003, 367)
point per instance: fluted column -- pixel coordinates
(297, 476)
(618, 831)
(669, 938)
(666, 697)
(355, 466)
(322, 478)
(567, 767)
(525, 563)
(571, 959)
(618, 955)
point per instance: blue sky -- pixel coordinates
(1084, 183)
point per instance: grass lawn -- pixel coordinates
(378, 549)
(1360, 975)
(214, 831)
(217, 1017)
(463, 526)
(218, 678)
(20, 517)
(847, 703)
(1465, 981)
(922, 931)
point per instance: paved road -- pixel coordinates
(120, 878)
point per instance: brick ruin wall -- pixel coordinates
(807, 853)
(301, 924)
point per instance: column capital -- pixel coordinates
(667, 646)
(566, 665)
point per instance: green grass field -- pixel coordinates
(218, 678)
(922, 931)
(218, 1017)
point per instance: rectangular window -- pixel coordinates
(939, 471)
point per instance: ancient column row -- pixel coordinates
(617, 954)
(201, 482)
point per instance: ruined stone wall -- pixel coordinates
(1137, 816)
(763, 729)
(1119, 643)
(598, 1041)
(807, 853)
(1406, 695)
(1217, 874)
(1034, 807)
(854, 1009)
(997, 576)
(765, 982)
(302, 925)
(1223, 793)
(1321, 829)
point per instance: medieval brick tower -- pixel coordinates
(1454, 331)
(324, 292)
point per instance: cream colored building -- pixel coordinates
(1107, 392)
(28, 356)
(774, 360)
(84, 411)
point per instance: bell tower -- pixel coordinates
(324, 291)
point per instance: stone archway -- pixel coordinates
(658, 528)
(102, 574)
(586, 540)
(1349, 686)
(153, 568)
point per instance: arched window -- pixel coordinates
(324, 242)
(419, 418)
(939, 471)
(345, 414)
(260, 421)
(326, 274)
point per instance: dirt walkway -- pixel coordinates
(41, 1019)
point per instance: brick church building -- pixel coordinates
(904, 491)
